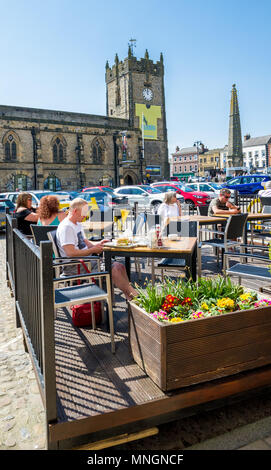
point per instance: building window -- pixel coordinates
(59, 150)
(97, 151)
(10, 146)
(180, 159)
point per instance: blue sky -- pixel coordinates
(54, 53)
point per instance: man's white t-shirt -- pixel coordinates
(69, 233)
(168, 210)
(265, 193)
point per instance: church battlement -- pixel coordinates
(132, 64)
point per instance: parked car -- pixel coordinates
(106, 189)
(247, 184)
(5, 204)
(194, 198)
(36, 196)
(145, 195)
(64, 198)
(207, 188)
(98, 199)
(174, 178)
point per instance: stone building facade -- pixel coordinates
(47, 149)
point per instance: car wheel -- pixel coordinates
(190, 202)
(155, 206)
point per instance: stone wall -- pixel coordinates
(77, 137)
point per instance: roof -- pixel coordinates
(263, 140)
(187, 150)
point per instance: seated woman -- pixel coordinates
(171, 207)
(48, 211)
(25, 213)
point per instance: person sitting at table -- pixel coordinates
(25, 213)
(170, 207)
(72, 242)
(266, 192)
(48, 211)
(221, 204)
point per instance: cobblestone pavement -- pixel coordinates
(22, 417)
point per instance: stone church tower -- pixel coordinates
(135, 91)
(235, 152)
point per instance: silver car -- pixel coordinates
(146, 196)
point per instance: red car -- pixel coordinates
(106, 189)
(194, 198)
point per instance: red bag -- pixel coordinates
(81, 314)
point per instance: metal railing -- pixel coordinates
(11, 223)
(31, 271)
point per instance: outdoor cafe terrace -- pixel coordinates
(90, 393)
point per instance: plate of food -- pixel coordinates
(122, 243)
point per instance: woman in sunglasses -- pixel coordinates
(221, 205)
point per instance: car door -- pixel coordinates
(205, 188)
(194, 186)
(140, 196)
(247, 185)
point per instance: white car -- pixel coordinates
(64, 198)
(146, 196)
(207, 188)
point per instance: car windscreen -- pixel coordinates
(98, 196)
(187, 189)
(150, 190)
(40, 195)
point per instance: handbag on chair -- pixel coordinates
(81, 314)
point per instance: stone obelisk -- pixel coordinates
(235, 151)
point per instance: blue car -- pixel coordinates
(247, 184)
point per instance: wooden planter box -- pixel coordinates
(181, 354)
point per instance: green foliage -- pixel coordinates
(190, 300)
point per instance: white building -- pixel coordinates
(255, 152)
(223, 157)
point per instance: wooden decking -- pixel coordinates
(100, 392)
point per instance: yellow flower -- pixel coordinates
(246, 296)
(176, 320)
(204, 306)
(225, 303)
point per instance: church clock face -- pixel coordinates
(147, 94)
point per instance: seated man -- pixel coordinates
(266, 192)
(221, 204)
(72, 243)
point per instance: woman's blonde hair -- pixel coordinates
(22, 200)
(168, 197)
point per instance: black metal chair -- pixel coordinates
(40, 232)
(234, 229)
(203, 210)
(266, 204)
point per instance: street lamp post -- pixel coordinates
(197, 143)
